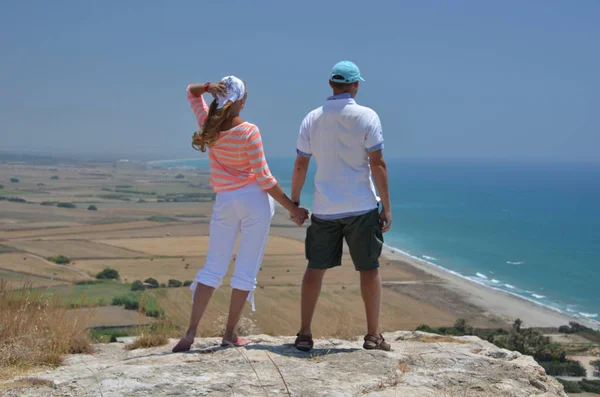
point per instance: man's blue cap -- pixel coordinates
(345, 72)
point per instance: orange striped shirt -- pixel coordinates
(237, 158)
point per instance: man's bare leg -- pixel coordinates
(311, 288)
(370, 286)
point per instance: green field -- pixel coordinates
(98, 294)
(18, 192)
(6, 249)
(16, 279)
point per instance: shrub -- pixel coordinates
(139, 301)
(87, 282)
(48, 203)
(179, 176)
(124, 186)
(187, 283)
(596, 364)
(566, 368)
(564, 329)
(108, 335)
(1, 187)
(152, 281)
(570, 387)
(15, 180)
(60, 260)
(426, 328)
(138, 286)
(92, 208)
(108, 274)
(16, 200)
(174, 283)
(66, 205)
(590, 386)
(163, 285)
(129, 301)
(55, 177)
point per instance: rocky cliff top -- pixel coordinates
(419, 365)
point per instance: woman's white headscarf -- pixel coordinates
(235, 91)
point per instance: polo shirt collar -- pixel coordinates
(345, 95)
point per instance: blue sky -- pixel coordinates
(513, 80)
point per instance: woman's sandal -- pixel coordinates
(376, 342)
(183, 345)
(239, 342)
(304, 342)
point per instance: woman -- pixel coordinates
(245, 190)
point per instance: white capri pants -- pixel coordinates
(246, 211)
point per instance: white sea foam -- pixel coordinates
(429, 258)
(483, 276)
(538, 296)
(515, 263)
(588, 315)
(506, 288)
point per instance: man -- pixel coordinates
(346, 141)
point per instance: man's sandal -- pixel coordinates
(304, 342)
(376, 342)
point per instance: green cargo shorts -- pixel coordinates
(324, 241)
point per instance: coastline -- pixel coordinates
(494, 303)
(498, 303)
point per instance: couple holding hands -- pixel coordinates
(346, 141)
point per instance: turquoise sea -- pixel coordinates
(528, 229)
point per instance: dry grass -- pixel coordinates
(148, 340)
(154, 336)
(192, 245)
(74, 249)
(437, 339)
(74, 230)
(346, 327)
(38, 331)
(32, 265)
(131, 269)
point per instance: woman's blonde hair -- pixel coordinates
(208, 135)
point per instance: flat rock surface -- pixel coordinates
(419, 365)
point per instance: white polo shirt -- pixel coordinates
(339, 135)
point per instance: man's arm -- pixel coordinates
(304, 153)
(299, 176)
(380, 176)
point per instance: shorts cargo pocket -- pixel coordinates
(308, 242)
(376, 244)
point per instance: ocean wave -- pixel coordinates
(496, 285)
(483, 276)
(538, 296)
(429, 258)
(515, 263)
